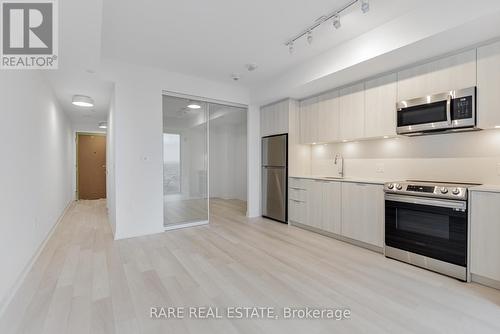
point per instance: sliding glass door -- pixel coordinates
(185, 162)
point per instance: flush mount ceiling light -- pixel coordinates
(103, 125)
(194, 106)
(82, 101)
(334, 16)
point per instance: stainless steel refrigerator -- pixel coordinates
(274, 177)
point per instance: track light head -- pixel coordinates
(290, 47)
(365, 6)
(336, 22)
(309, 37)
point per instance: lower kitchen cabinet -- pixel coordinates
(323, 205)
(485, 235)
(315, 203)
(363, 212)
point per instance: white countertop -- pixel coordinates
(345, 179)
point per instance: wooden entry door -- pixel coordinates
(91, 166)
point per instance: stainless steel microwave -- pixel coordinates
(450, 111)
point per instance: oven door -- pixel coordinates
(433, 228)
(424, 114)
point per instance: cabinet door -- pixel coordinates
(314, 203)
(329, 117)
(363, 212)
(264, 121)
(352, 112)
(485, 234)
(380, 106)
(450, 73)
(274, 119)
(488, 86)
(331, 207)
(309, 124)
(297, 211)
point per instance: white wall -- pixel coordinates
(138, 135)
(228, 157)
(110, 165)
(253, 161)
(461, 157)
(35, 173)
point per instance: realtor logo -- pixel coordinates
(29, 34)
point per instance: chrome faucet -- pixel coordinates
(339, 162)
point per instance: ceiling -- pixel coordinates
(177, 116)
(213, 39)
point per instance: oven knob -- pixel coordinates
(455, 191)
(399, 187)
(444, 190)
(390, 186)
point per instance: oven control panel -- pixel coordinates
(442, 190)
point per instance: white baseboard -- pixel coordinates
(20, 280)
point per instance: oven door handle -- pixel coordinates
(459, 205)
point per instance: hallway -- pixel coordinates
(84, 282)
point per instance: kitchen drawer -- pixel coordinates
(297, 183)
(297, 211)
(297, 194)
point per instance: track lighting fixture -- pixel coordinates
(334, 16)
(309, 37)
(336, 22)
(365, 6)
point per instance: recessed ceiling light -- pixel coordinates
(385, 137)
(82, 101)
(194, 106)
(103, 125)
(314, 143)
(497, 126)
(344, 140)
(235, 76)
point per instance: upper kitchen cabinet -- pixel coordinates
(274, 119)
(352, 111)
(450, 73)
(488, 86)
(309, 121)
(328, 117)
(380, 106)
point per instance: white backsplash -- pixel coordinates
(464, 157)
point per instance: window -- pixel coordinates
(172, 163)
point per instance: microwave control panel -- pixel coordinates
(462, 108)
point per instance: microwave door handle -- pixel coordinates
(448, 109)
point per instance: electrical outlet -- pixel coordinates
(379, 168)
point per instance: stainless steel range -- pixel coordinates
(426, 224)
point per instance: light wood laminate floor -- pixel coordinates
(84, 282)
